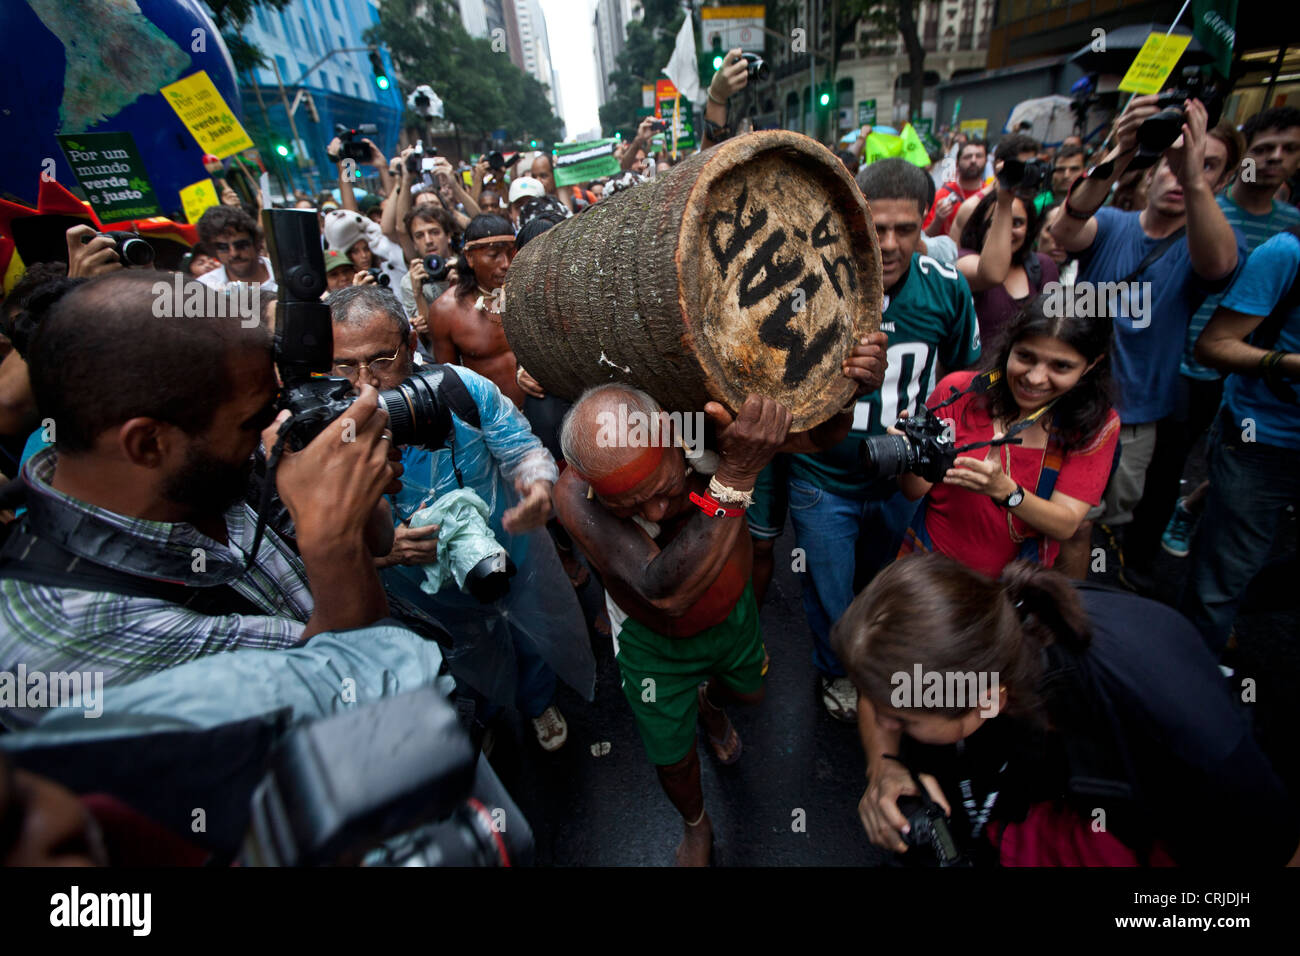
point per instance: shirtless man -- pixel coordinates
(673, 551)
(465, 321)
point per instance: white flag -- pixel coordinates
(683, 69)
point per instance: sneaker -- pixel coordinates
(1177, 539)
(841, 699)
(551, 729)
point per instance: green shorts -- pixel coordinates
(766, 516)
(661, 674)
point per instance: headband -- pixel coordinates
(488, 241)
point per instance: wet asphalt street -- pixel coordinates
(597, 801)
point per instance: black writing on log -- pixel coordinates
(777, 274)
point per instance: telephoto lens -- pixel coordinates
(887, 456)
(381, 277)
(416, 415)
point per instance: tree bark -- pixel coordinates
(915, 55)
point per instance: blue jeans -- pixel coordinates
(1250, 486)
(827, 527)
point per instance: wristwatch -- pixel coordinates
(1013, 499)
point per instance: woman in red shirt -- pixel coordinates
(1022, 500)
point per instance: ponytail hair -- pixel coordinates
(932, 612)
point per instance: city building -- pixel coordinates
(609, 27)
(303, 46)
(870, 66)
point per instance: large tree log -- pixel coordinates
(752, 267)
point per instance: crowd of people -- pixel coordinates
(1074, 349)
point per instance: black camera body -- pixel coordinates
(496, 161)
(131, 249)
(928, 829)
(350, 137)
(1025, 177)
(1157, 133)
(381, 277)
(925, 448)
(757, 69)
(659, 125)
(438, 268)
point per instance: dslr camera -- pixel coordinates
(1025, 177)
(928, 829)
(437, 267)
(659, 125)
(756, 67)
(381, 277)
(925, 448)
(304, 356)
(421, 159)
(131, 249)
(1157, 133)
(350, 137)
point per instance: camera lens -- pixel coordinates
(135, 252)
(415, 413)
(886, 456)
(437, 268)
(381, 277)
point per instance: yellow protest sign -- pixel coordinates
(1153, 64)
(976, 127)
(206, 115)
(197, 197)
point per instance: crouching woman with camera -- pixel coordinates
(1039, 437)
(1056, 725)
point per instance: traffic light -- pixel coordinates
(532, 144)
(377, 67)
(825, 98)
(283, 150)
(718, 56)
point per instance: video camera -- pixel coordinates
(304, 355)
(1157, 133)
(339, 790)
(350, 138)
(131, 249)
(418, 161)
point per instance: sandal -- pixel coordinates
(719, 745)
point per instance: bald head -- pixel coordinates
(609, 427)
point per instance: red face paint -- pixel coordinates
(626, 477)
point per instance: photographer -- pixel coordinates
(726, 83)
(157, 424)
(429, 229)
(1101, 732)
(999, 261)
(506, 465)
(1165, 261)
(1049, 386)
(1018, 147)
(446, 191)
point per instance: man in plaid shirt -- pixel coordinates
(156, 421)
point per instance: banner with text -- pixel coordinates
(110, 171)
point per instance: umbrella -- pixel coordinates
(1123, 43)
(1049, 117)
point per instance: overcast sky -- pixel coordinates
(573, 55)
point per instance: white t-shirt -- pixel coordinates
(218, 279)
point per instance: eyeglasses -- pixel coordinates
(349, 370)
(238, 244)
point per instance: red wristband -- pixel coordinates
(711, 507)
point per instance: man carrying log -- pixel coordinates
(465, 321)
(674, 554)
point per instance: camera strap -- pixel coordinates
(980, 384)
(1156, 252)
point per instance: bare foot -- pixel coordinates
(722, 735)
(697, 844)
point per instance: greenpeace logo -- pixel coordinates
(76, 909)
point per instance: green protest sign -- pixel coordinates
(956, 112)
(583, 162)
(867, 113)
(111, 173)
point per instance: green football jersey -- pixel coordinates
(930, 321)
